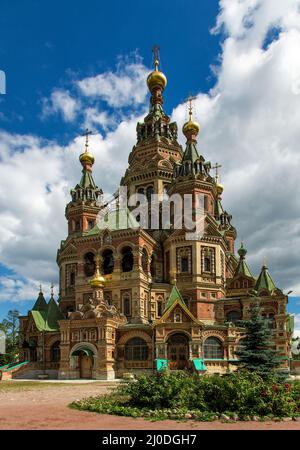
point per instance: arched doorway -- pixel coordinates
(85, 365)
(84, 361)
(178, 351)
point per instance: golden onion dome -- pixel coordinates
(98, 281)
(156, 78)
(191, 127)
(220, 188)
(86, 158)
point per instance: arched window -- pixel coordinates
(55, 352)
(72, 278)
(149, 192)
(145, 260)
(108, 262)
(159, 308)
(89, 264)
(136, 349)
(127, 307)
(213, 348)
(153, 266)
(127, 259)
(207, 265)
(184, 264)
(233, 316)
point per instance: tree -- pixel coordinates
(11, 329)
(256, 352)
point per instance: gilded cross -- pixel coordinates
(190, 101)
(155, 51)
(87, 133)
(216, 168)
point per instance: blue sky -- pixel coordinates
(71, 64)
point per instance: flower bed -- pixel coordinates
(180, 396)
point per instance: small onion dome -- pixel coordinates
(242, 251)
(98, 281)
(87, 158)
(191, 128)
(220, 188)
(156, 78)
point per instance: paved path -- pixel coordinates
(34, 408)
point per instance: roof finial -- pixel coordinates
(41, 288)
(264, 262)
(155, 51)
(86, 158)
(86, 134)
(190, 107)
(191, 128)
(52, 290)
(216, 167)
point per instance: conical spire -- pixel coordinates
(40, 304)
(265, 281)
(191, 164)
(86, 190)
(242, 267)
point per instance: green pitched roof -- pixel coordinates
(40, 304)
(265, 281)
(191, 153)
(46, 319)
(242, 267)
(175, 295)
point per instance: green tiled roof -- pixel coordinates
(265, 281)
(46, 316)
(175, 295)
(242, 267)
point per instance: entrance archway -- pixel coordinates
(178, 351)
(82, 356)
(85, 365)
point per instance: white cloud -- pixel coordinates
(125, 87)
(250, 124)
(61, 102)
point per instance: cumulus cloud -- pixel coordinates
(63, 103)
(124, 87)
(250, 124)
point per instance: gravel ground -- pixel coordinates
(44, 406)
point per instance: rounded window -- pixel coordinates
(213, 348)
(136, 349)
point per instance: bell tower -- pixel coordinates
(152, 159)
(82, 210)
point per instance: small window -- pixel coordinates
(127, 307)
(136, 349)
(145, 260)
(207, 265)
(77, 225)
(127, 259)
(108, 262)
(89, 264)
(91, 224)
(233, 316)
(72, 278)
(213, 348)
(159, 308)
(184, 264)
(177, 317)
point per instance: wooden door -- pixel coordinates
(86, 366)
(178, 352)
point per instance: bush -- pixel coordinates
(181, 395)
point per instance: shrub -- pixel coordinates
(181, 395)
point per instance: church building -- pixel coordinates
(134, 299)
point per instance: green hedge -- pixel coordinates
(180, 395)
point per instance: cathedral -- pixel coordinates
(135, 299)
